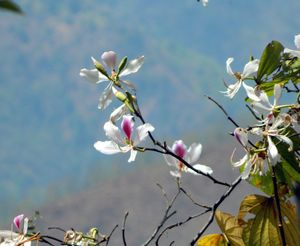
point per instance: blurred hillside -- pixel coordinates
(49, 118)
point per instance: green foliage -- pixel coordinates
(270, 59)
(10, 6)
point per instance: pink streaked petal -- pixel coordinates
(241, 135)
(18, 221)
(194, 152)
(127, 125)
(179, 148)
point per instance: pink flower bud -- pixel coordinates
(127, 125)
(179, 148)
(110, 59)
(18, 221)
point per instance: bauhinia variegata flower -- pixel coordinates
(125, 140)
(115, 78)
(250, 69)
(294, 53)
(190, 155)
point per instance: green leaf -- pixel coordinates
(10, 6)
(290, 164)
(270, 59)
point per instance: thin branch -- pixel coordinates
(110, 234)
(180, 224)
(214, 208)
(253, 113)
(223, 110)
(165, 218)
(193, 201)
(123, 228)
(277, 201)
(167, 151)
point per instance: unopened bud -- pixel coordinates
(122, 64)
(121, 96)
(100, 67)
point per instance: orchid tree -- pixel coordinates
(270, 161)
(271, 145)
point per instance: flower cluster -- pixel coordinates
(276, 122)
(127, 138)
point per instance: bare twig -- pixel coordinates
(165, 218)
(214, 208)
(253, 113)
(110, 234)
(124, 228)
(193, 201)
(180, 224)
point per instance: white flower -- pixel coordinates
(295, 53)
(204, 2)
(122, 143)
(110, 58)
(263, 101)
(274, 131)
(190, 155)
(250, 69)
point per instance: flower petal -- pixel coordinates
(107, 147)
(170, 160)
(272, 151)
(277, 93)
(251, 92)
(297, 41)
(240, 162)
(92, 75)
(232, 89)
(109, 58)
(18, 220)
(202, 168)
(127, 125)
(141, 132)
(118, 113)
(194, 152)
(250, 68)
(129, 84)
(133, 154)
(241, 135)
(133, 66)
(286, 140)
(113, 132)
(228, 66)
(106, 97)
(247, 169)
(294, 53)
(175, 174)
